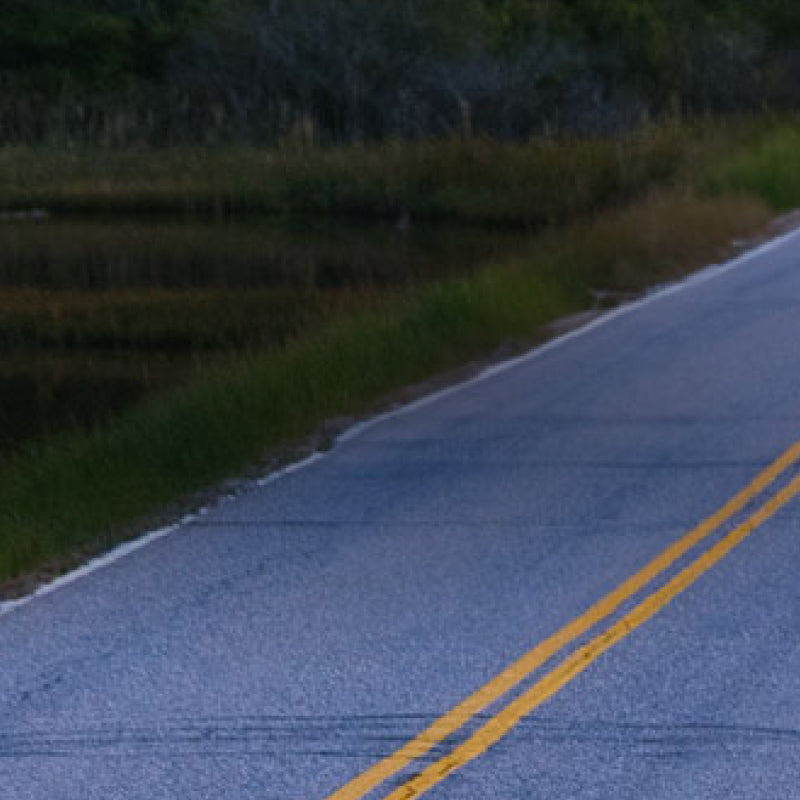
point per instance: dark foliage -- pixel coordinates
(121, 72)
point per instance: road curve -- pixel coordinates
(478, 552)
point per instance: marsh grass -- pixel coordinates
(80, 490)
(529, 184)
(190, 285)
(168, 319)
(113, 298)
(661, 239)
(106, 252)
(768, 168)
(43, 391)
(74, 489)
(698, 187)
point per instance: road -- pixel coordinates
(291, 643)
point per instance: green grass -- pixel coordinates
(768, 169)
(480, 181)
(179, 320)
(658, 240)
(530, 184)
(70, 491)
(697, 189)
(71, 252)
(81, 490)
(190, 285)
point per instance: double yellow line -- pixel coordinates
(509, 716)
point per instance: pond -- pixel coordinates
(97, 313)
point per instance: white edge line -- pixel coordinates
(701, 276)
(704, 275)
(92, 566)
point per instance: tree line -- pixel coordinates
(122, 72)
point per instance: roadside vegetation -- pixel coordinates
(80, 491)
(619, 143)
(115, 73)
(485, 181)
(769, 169)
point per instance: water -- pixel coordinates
(96, 314)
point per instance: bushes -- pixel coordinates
(200, 72)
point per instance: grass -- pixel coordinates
(670, 234)
(529, 184)
(44, 391)
(114, 298)
(95, 253)
(71, 490)
(769, 169)
(78, 491)
(187, 285)
(187, 320)
(631, 214)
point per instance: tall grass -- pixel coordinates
(187, 320)
(660, 240)
(480, 180)
(768, 169)
(69, 491)
(80, 490)
(176, 252)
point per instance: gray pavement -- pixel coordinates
(283, 642)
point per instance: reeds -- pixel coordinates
(86, 490)
(177, 320)
(80, 491)
(768, 168)
(529, 184)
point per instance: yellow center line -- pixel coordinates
(510, 677)
(505, 720)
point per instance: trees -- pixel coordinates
(342, 70)
(96, 42)
(46, 42)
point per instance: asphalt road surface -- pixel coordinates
(310, 639)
